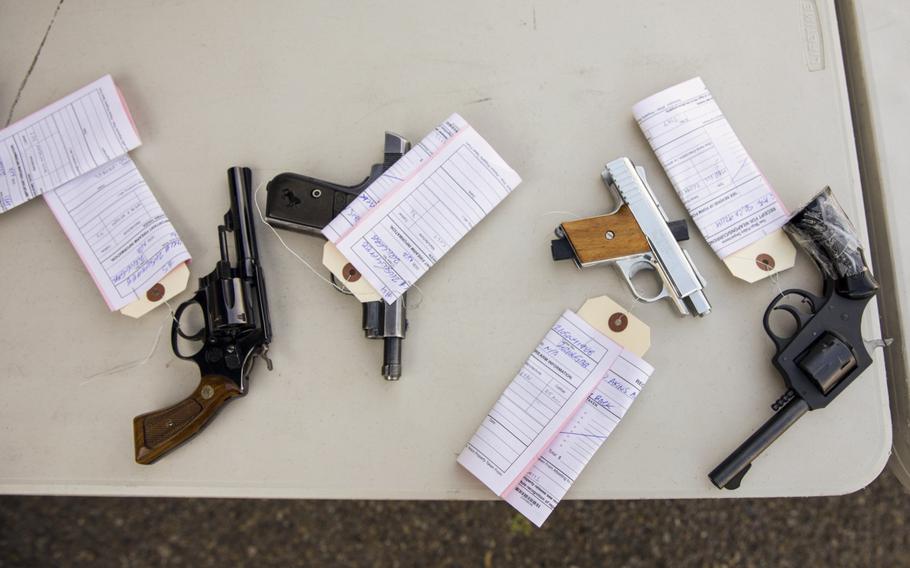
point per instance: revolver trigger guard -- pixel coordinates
(631, 266)
(800, 318)
(177, 332)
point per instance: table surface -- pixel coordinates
(880, 38)
(310, 88)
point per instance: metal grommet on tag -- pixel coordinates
(155, 293)
(618, 322)
(615, 321)
(765, 262)
(351, 274)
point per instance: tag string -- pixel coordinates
(309, 266)
(775, 283)
(289, 249)
(172, 317)
(138, 363)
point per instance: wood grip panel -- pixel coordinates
(591, 244)
(157, 433)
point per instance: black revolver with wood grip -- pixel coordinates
(236, 331)
(304, 204)
(826, 351)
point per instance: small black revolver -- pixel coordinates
(236, 330)
(826, 351)
(304, 204)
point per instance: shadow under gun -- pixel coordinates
(635, 236)
(825, 351)
(236, 330)
(304, 204)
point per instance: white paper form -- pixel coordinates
(62, 141)
(118, 229)
(411, 216)
(544, 485)
(404, 168)
(728, 197)
(556, 379)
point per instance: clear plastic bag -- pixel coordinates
(824, 231)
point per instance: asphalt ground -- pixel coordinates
(870, 528)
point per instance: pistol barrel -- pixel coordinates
(389, 323)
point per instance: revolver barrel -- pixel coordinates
(241, 222)
(729, 474)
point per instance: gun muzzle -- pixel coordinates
(389, 323)
(729, 474)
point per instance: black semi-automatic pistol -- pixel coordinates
(236, 331)
(307, 205)
(826, 351)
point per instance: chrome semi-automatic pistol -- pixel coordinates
(635, 236)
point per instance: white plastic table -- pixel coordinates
(879, 43)
(310, 87)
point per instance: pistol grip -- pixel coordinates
(157, 433)
(606, 237)
(305, 204)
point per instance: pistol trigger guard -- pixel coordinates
(629, 267)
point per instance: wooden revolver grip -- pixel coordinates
(157, 433)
